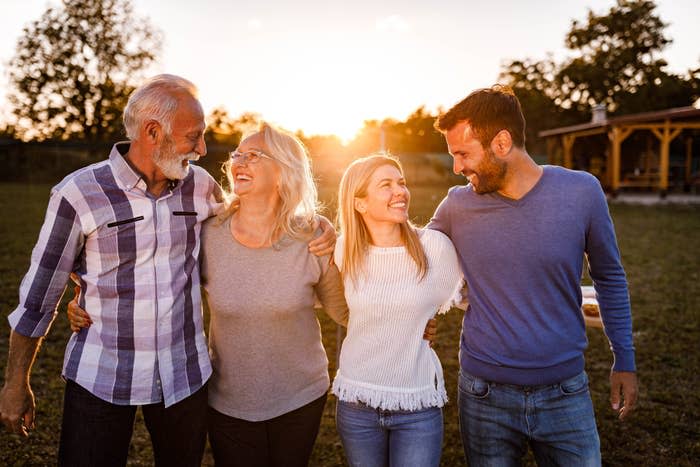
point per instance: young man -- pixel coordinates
(521, 232)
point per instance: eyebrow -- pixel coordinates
(391, 180)
(250, 149)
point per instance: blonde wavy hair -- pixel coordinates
(353, 185)
(297, 191)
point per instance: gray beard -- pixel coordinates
(171, 164)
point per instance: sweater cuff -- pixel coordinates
(624, 361)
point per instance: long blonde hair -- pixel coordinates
(353, 185)
(297, 191)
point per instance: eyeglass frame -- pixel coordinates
(237, 156)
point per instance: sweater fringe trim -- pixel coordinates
(387, 400)
(455, 298)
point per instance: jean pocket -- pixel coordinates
(574, 385)
(474, 387)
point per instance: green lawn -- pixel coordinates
(661, 253)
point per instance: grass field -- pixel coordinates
(660, 250)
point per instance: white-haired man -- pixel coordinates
(128, 227)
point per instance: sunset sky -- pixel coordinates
(324, 66)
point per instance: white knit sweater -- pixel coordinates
(385, 362)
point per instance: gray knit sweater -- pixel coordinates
(264, 337)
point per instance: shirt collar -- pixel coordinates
(124, 173)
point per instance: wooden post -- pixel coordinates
(616, 136)
(551, 151)
(568, 143)
(688, 159)
(609, 163)
(664, 162)
(665, 137)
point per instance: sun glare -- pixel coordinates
(330, 88)
(345, 127)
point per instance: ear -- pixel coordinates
(152, 131)
(502, 143)
(360, 205)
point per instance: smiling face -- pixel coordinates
(260, 177)
(184, 142)
(479, 165)
(387, 198)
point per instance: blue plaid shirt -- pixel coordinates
(137, 258)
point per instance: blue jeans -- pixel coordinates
(375, 437)
(499, 421)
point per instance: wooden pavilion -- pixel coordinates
(650, 150)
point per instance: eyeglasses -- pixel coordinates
(251, 156)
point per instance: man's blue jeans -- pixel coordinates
(375, 437)
(499, 421)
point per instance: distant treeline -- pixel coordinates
(51, 161)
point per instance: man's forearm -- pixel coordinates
(20, 358)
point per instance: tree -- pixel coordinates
(532, 83)
(417, 134)
(617, 53)
(616, 62)
(222, 128)
(75, 67)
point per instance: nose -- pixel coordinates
(401, 191)
(457, 166)
(240, 161)
(201, 147)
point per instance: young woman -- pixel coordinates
(389, 384)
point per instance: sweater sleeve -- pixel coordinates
(332, 295)
(329, 289)
(441, 219)
(605, 269)
(450, 270)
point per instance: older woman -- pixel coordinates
(389, 384)
(270, 378)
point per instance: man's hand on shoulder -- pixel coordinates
(324, 243)
(623, 383)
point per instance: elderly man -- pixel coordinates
(521, 232)
(129, 229)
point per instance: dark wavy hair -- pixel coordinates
(488, 111)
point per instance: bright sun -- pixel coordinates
(333, 94)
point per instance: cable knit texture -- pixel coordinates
(385, 362)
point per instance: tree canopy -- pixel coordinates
(75, 67)
(615, 61)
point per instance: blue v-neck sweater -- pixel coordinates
(523, 261)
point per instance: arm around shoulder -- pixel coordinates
(331, 293)
(449, 269)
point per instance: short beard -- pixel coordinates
(170, 163)
(491, 174)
